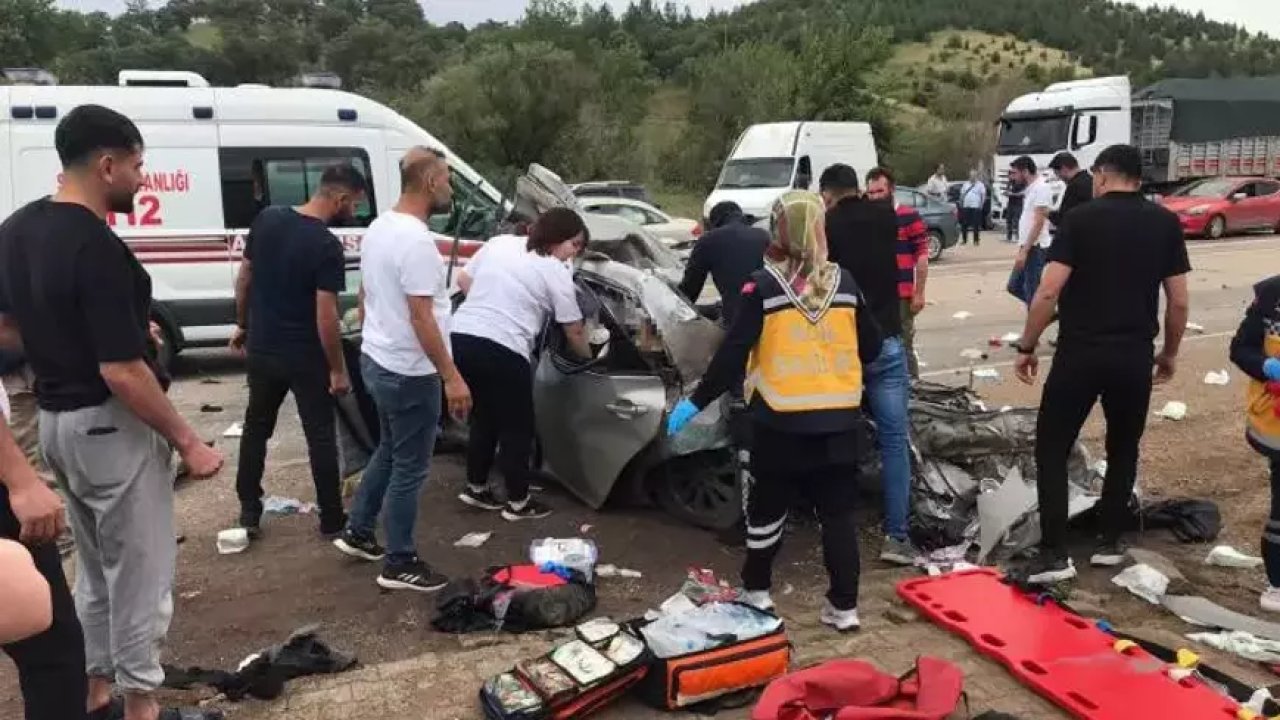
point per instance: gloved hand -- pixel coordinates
(1271, 369)
(681, 414)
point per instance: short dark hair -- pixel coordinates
(838, 177)
(1124, 160)
(1064, 161)
(91, 129)
(554, 227)
(881, 172)
(343, 176)
(1024, 163)
(723, 212)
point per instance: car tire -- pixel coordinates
(1216, 229)
(937, 243)
(702, 490)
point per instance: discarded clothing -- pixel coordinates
(263, 674)
(1191, 520)
(1245, 645)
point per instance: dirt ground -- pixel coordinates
(229, 606)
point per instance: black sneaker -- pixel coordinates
(1048, 568)
(414, 575)
(530, 510)
(359, 546)
(1108, 553)
(481, 499)
(251, 521)
(333, 525)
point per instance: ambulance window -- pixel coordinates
(257, 178)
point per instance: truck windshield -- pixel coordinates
(1028, 136)
(1211, 188)
(746, 173)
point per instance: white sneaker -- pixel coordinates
(1270, 600)
(758, 599)
(842, 620)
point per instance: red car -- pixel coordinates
(1214, 207)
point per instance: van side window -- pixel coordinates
(474, 214)
(257, 178)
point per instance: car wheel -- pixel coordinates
(1216, 228)
(702, 489)
(936, 243)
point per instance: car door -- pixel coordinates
(1240, 211)
(1264, 204)
(594, 418)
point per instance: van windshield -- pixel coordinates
(745, 173)
(1033, 136)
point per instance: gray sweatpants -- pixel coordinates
(118, 476)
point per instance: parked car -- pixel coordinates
(1215, 207)
(614, 189)
(941, 219)
(678, 233)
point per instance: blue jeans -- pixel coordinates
(1024, 283)
(888, 393)
(409, 415)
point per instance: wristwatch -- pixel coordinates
(1023, 349)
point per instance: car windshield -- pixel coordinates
(1211, 188)
(1029, 136)
(757, 173)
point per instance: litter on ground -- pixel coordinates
(1206, 613)
(972, 354)
(236, 430)
(1227, 556)
(232, 541)
(1144, 581)
(1173, 410)
(1012, 337)
(986, 373)
(1195, 327)
(1249, 647)
(1217, 377)
(473, 539)
(962, 315)
(276, 505)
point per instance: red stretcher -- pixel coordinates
(1060, 655)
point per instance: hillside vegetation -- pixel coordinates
(653, 93)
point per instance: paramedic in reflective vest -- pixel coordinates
(1256, 351)
(802, 336)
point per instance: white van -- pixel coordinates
(770, 159)
(214, 158)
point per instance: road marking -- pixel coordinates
(1009, 363)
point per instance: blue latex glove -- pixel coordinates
(681, 414)
(1271, 368)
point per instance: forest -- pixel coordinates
(652, 93)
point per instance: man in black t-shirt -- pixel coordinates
(1106, 269)
(730, 251)
(287, 309)
(80, 302)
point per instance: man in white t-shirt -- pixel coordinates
(404, 362)
(1034, 237)
(937, 186)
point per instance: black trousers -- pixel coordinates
(502, 426)
(1271, 534)
(270, 379)
(1121, 378)
(821, 469)
(970, 220)
(51, 665)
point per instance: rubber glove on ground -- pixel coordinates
(1271, 368)
(681, 414)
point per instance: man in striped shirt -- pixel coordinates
(913, 259)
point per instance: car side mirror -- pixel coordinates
(1238, 197)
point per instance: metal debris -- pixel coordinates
(1206, 613)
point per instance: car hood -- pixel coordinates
(1183, 204)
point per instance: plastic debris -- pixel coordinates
(986, 373)
(575, 553)
(473, 539)
(962, 315)
(972, 354)
(1249, 647)
(1227, 556)
(1206, 613)
(629, 573)
(1012, 337)
(236, 430)
(1195, 327)
(232, 541)
(1173, 410)
(1144, 581)
(609, 571)
(1000, 510)
(1217, 377)
(276, 505)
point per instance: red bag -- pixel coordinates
(855, 690)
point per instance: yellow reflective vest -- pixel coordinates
(1257, 340)
(1262, 421)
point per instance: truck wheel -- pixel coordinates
(1217, 227)
(936, 242)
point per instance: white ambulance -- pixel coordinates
(214, 158)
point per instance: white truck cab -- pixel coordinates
(1080, 116)
(770, 159)
(214, 158)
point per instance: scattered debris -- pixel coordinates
(1247, 646)
(1012, 337)
(210, 408)
(192, 595)
(788, 589)
(263, 674)
(574, 553)
(629, 573)
(1144, 581)
(986, 373)
(1218, 377)
(210, 381)
(473, 539)
(973, 354)
(995, 342)
(1178, 583)
(1227, 556)
(1173, 410)
(1005, 408)
(1206, 613)
(1197, 327)
(276, 505)
(586, 528)
(608, 571)
(232, 541)
(1000, 510)
(236, 430)
(962, 315)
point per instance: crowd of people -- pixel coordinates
(819, 311)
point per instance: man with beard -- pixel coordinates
(78, 301)
(287, 310)
(405, 363)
